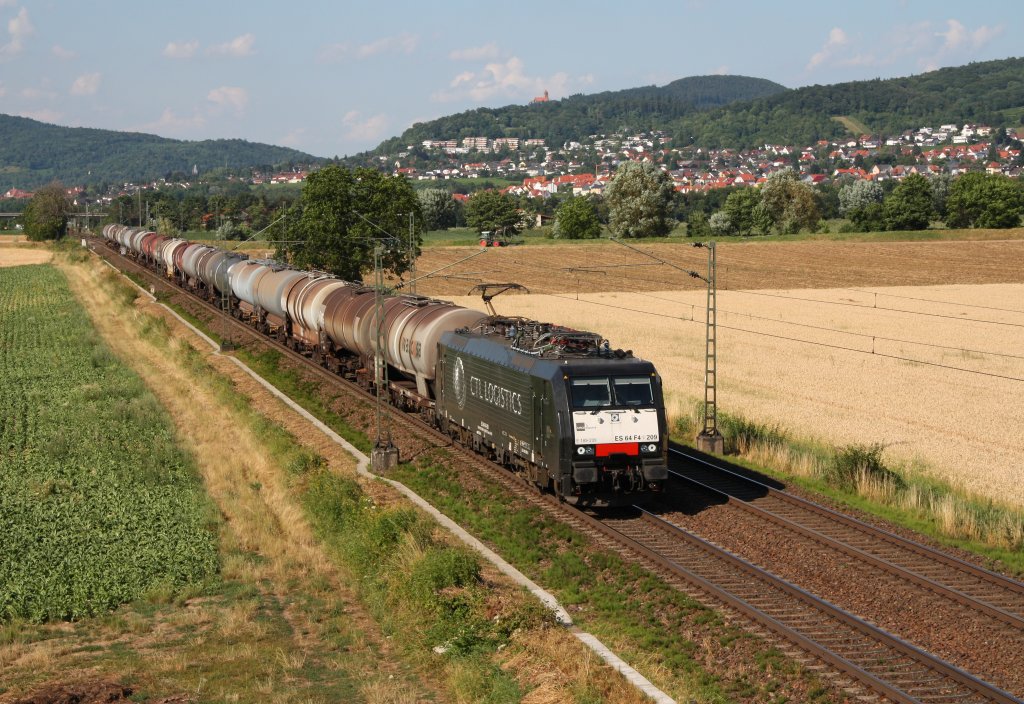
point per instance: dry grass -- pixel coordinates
(561, 671)
(21, 255)
(964, 427)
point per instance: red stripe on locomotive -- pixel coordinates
(618, 448)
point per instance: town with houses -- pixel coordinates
(947, 149)
(586, 168)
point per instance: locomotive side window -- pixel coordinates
(633, 391)
(591, 393)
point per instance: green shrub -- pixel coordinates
(849, 464)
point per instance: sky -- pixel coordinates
(337, 78)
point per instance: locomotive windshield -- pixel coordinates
(633, 391)
(601, 392)
(591, 393)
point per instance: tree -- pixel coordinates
(983, 200)
(858, 195)
(640, 198)
(861, 202)
(787, 204)
(46, 215)
(439, 208)
(492, 211)
(909, 206)
(742, 208)
(343, 214)
(721, 224)
(697, 225)
(940, 193)
(166, 226)
(577, 219)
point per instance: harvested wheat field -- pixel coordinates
(17, 255)
(607, 266)
(933, 372)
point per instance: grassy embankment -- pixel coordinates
(691, 651)
(857, 476)
(280, 624)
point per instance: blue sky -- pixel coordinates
(335, 78)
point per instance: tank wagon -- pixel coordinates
(555, 404)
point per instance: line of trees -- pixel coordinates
(640, 202)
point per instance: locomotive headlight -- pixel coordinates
(583, 450)
(651, 448)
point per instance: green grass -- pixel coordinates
(539, 236)
(421, 590)
(856, 127)
(99, 505)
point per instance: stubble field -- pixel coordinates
(826, 340)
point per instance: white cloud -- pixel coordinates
(404, 43)
(836, 41)
(62, 53)
(506, 79)
(181, 50)
(86, 84)
(957, 36)
(364, 129)
(464, 77)
(476, 53)
(229, 97)
(722, 70)
(239, 46)
(20, 28)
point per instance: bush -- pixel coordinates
(852, 463)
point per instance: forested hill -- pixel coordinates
(990, 92)
(34, 153)
(739, 112)
(577, 116)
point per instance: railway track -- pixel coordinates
(877, 661)
(881, 662)
(974, 588)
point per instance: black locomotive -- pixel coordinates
(557, 404)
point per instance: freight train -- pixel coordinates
(557, 405)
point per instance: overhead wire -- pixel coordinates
(861, 305)
(933, 300)
(798, 340)
(792, 339)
